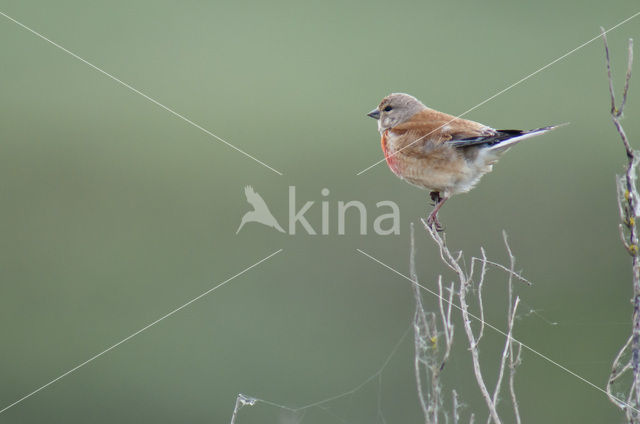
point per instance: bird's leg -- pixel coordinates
(432, 220)
(435, 197)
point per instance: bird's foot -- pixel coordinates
(434, 223)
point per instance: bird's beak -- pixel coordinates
(375, 114)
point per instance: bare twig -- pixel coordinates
(510, 358)
(619, 369)
(446, 323)
(430, 359)
(464, 286)
(508, 345)
(628, 201)
(514, 361)
(420, 324)
(483, 272)
(456, 407)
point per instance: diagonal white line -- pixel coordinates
(530, 349)
(505, 89)
(138, 332)
(152, 100)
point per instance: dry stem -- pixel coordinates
(628, 207)
(428, 356)
(427, 326)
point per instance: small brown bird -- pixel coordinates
(437, 151)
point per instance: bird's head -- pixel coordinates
(395, 109)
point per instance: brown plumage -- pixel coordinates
(437, 151)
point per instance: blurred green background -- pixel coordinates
(114, 212)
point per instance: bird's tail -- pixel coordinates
(515, 136)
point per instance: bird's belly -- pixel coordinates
(429, 175)
(443, 168)
(443, 174)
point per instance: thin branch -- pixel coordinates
(483, 272)
(419, 322)
(426, 327)
(505, 269)
(505, 352)
(514, 362)
(508, 345)
(464, 285)
(625, 91)
(611, 90)
(456, 407)
(446, 322)
(617, 371)
(628, 201)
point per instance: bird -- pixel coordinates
(439, 152)
(260, 212)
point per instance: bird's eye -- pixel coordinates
(387, 109)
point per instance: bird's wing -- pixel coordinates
(488, 140)
(500, 138)
(429, 129)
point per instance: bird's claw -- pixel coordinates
(434, 223)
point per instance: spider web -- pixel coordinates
(328, 407)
